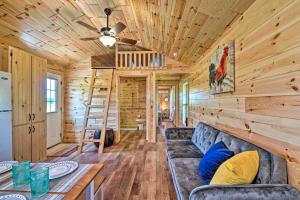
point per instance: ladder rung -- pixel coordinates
(95, 116)
(104, 92)
(96, 106)
(93, 128)
(99, 96)
(92, 140)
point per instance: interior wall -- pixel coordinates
(77, 79)
(265, 106)
(4, 58)
(132, 101)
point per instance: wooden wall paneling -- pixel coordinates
(280, 106)
(22, 142)
(234, 104)
(4, 58)
(77, 79)
(263, 108)
(247, 23)
(38, 141)
(132, 100)
(76, 84)
(282, 129)
(21, 83)
(56, 69)
(39, 75)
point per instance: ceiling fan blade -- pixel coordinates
(127, 41)
(89, 38)
(118, 28)
(88, 26)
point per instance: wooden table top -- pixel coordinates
(80, 186)
(70, 189)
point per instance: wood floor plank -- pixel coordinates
(134, 169)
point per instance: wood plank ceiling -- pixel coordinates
(184, 27)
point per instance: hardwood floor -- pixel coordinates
(134, 169)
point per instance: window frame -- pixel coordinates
(56, 95)
(185, 106)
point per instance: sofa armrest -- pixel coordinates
(179, 133)
(252, 192)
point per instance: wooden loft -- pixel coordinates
(139, 60)
(130, 59)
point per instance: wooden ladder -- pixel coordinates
(103, 114)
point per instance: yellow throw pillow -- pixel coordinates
(240, 169)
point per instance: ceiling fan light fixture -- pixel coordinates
(107, 41)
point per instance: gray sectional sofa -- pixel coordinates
(185, 148)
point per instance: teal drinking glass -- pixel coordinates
(39, 182)
(21, 174)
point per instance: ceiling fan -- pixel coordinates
(108, 35)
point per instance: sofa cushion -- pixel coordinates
(214, 157)
(272, 168)
(204, 136)
(182, 149)
(185, 175)
(240, 169)
(179, 133)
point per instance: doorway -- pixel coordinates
(167, 102)
(133, 97)
(54, 109)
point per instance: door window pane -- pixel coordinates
(52, 95)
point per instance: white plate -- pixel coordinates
(6, 166)
(13, 197)
(60, 169)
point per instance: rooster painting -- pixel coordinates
(221, 70)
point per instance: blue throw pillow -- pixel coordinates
(214, 157)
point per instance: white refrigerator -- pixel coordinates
(5, 117)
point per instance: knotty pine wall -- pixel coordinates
(4, 58)
(265, 107)
(76, 88)
(132, 100)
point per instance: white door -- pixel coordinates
(53, 94)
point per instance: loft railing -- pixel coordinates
(139, 60)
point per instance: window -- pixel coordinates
(51, 95)
(185, 104)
